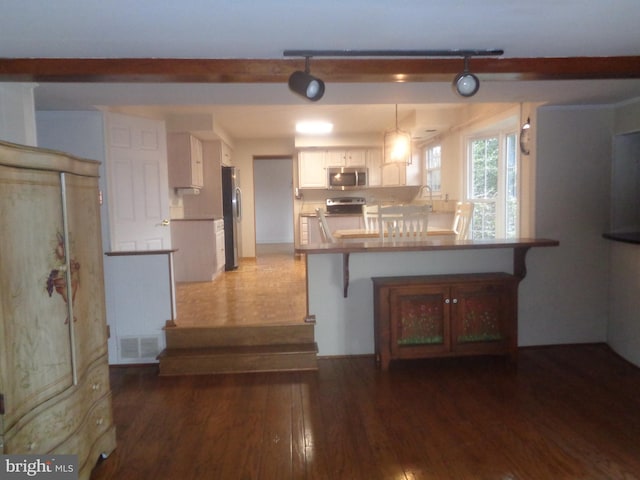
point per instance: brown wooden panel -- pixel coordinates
(360, 70)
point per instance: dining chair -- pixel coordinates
(370, 216)
(325, 233)
(403, 222)
(462, 220)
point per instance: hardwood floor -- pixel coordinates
(269, 289)
(570, 412)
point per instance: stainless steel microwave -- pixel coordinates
(344, 178)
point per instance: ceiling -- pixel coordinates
(243, 29)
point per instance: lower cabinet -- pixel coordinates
(445, 315)
(218, 226)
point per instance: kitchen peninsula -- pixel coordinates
(339, 278)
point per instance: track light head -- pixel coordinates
(466, 84)
(306, 85)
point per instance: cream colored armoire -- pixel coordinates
(54, 378)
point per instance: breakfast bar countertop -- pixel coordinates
(438, 242)
(520, 248)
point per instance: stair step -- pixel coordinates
(238, 359)
(207, 337)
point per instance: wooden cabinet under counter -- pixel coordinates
(445, 315)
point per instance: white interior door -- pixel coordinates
(138, 186)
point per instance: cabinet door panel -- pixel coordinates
(35, 359)
(311, 169)
(483, 313)
(83, 217)
(419, 320)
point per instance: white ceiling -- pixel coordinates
(263, 29)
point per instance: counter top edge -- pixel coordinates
(429, 245)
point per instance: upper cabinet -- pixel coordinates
(313, 164)
(400, 174)
(208, 203)
(184, 153)
(374, 167)
(312, 171)
(346, 158)
(225, 154)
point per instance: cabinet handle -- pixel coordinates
(95, 386)
(99, 421)
(455, 300)
(447, 301)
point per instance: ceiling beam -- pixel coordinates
(350, 70)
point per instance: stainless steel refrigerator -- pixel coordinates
(232, 214)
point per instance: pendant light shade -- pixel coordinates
(397, 145)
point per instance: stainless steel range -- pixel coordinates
(352, 205)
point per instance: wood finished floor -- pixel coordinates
(266, 290)
(570, 412)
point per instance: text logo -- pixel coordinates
(50, 467)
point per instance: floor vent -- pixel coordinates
(139, 348)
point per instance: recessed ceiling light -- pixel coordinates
(314, 128)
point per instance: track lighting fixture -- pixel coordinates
(466, 84)
(305, 84)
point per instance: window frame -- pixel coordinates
(426, 170)
(503, 131)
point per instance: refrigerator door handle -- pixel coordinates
(238, 204)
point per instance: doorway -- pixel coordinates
(273, 193)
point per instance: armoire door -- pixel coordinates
(83, 222)
(35, 347)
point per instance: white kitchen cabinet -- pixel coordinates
(218, 226)
(312, 171)
(195, 259)
(225, 154)
(374, 167)
(184, 152)
(400, 174)
(209, 202)
(304, 230)
(346, 158)
(54, 376)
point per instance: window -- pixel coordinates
(493, 185)
(432, 169)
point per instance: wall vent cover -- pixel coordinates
(134, 348)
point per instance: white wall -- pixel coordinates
(623, 333)
(564, 298)
(17, 113)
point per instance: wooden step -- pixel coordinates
(238, 359)
(246, 335)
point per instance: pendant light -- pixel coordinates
(397, 145)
